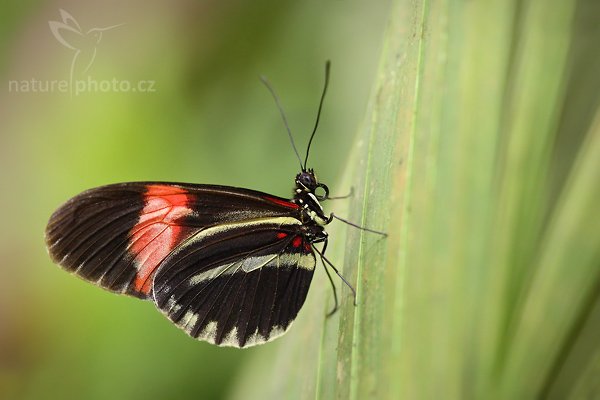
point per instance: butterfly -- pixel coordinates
(229, 266)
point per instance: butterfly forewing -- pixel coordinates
(90, 234)
(117, 235)
(237, 284)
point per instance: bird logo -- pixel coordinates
(85, 44)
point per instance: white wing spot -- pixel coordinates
(209, 333)
(231, 339)
(172, 306)
(253, 263)
(254, 339)
(213, 273)
(188, 321)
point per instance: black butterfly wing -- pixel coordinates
(238, 284)
(117, 235)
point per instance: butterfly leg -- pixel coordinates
(362, 228)
(326, 261)
(335, 298)
(343, 197)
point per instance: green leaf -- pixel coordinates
(480, 157)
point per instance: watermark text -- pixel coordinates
(80, 86)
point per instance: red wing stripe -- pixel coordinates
(281, 202)
(157, 233)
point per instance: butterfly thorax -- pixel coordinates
(305, 196)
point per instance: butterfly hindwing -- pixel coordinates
(237, 284)
(117, 235)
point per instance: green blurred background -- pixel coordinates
(207, 120)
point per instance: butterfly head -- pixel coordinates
(306, 182)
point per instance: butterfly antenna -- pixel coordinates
(285, 122)
(327, 67)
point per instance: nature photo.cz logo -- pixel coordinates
(85, 45)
